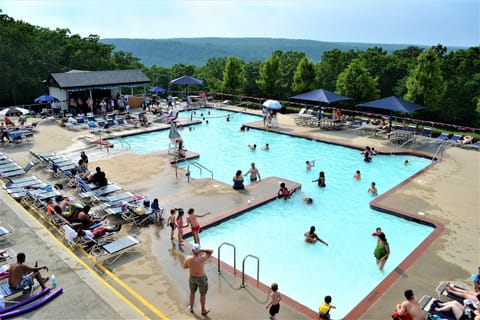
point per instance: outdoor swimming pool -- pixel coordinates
(345, 269)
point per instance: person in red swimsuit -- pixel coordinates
(193, 222)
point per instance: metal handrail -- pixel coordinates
(198, 165)
(234, 256)
(440, 147)
(243, 269)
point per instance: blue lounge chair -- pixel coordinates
(426, 132)
(17, 172)
(429, 304)
(455, 138)
(443, 137)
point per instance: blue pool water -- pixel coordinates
(345, 269)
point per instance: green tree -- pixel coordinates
(356, 82)
(304, 77)
(252, 73)
(125, 60)
(333, 62)
(212, 74)
(425, 84)
(271, 77)
(234, 75)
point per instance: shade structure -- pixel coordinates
(321, 95)
(14, 111)
(45, 98)
(272, 104)
(157, 90)
(393, 104)
(186, 80)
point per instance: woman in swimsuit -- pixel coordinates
(179, 224)
(382, 251)
(238, 181)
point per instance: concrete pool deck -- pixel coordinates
(448, 192)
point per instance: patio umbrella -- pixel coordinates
(321, 95)
(157, 90)
(392, 103)
(45, 98)
(14, 111)
(272, 104)
(187, 80)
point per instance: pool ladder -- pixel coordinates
(199, 166)
(235, 263)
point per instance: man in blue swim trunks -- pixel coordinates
(21, 276)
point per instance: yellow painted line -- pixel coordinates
(114, 277)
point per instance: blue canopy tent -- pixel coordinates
(187, 80)
(392, 103)
(45, 98)
(157, 90)
(321, 95)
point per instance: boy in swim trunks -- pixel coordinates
(171, 222)
(193, 222)
(274, 303)
(21, 275)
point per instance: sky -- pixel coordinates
(420, 22)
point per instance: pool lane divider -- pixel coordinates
(98, 265)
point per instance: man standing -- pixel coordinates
(21, 275)
(198, 279)
(410, 306)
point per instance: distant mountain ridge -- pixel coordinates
(196, 51)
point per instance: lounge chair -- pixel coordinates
(10, 167)
(475, 145)
(455, 138)
(443, 137)
(426, 132)
(88, 245)
(23, 179)
(428, 304)
(102, 191)
(298, 119)
(114, 198)
(441, 290)
(17, 172)
(112, 251)
(4, 238)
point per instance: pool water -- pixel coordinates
(345, 269)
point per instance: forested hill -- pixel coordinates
(196, 51)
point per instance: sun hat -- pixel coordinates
(195, 247)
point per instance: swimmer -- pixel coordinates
(311, 236)
(252, 147)
(309, 164)
(357, 175)
(373, 189)
(406, 163)
(266, 147)
(307, 199)
(284, 192)
(321, 180)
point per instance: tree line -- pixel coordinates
(448, 83)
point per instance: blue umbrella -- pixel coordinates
(321, 95)
(157, 90)
(392, 103)
(187, 80)
(45, 98)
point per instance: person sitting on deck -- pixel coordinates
(21, 276)
(284, 192)
(8, 122)
(98, 178)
